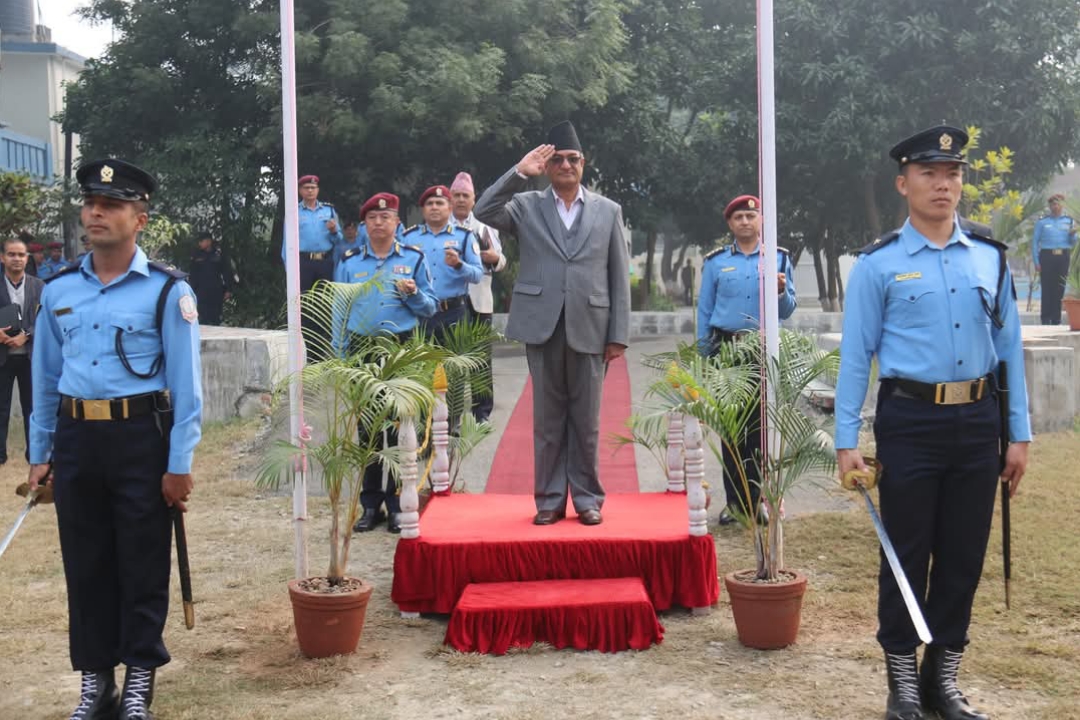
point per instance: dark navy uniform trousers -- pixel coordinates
(937, 503)
(749, 448)
(115, 538)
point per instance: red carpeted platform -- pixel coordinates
(490, 538)
(608, 615)
(512, 468)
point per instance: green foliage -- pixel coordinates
(20, 203)
(160, 234)
(721, 392)
(1072, 278)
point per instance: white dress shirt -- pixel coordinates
(569, 214)
(480, 293)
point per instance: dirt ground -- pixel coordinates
(241, 661)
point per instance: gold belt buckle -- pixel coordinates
(1057, 252)
(957, 393)
(96, 409)
(317, 255)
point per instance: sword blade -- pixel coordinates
(18, 523)
(184, 567)
(898, 571)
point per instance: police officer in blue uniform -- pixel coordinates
(117, 412)
(54, 263)
(728, 304)
(320, 234)
(1051, 245)
(402, 297)
(453, 254)
(934, 302)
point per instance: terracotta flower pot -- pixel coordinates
(1072, 309)
(329, 624)
(766, 614)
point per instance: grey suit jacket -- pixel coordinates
(589, 280)
(31, 302)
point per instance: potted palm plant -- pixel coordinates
(721, 392)
(1071, 300)
(361, 387)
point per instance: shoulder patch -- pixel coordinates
(715, 251)
(880, 242)
(61, 273)
(351, 252)
(168, 269)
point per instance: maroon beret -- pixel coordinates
(35, 247)
(743, 202)
(53, 245)
(435, 191)
(308, 180)
(379, 201)
(1056, 196)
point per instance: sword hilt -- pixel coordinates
(867, 478)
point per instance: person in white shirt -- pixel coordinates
(462, 200)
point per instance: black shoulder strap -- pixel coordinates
(58, 273)
(880, 242)
(983, 233)
(174, 275)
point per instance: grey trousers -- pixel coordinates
(567, 387)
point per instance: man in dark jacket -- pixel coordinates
(20, 295)
(211, 279)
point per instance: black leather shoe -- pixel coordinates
(393, 522)
(937, 679)
(98, 699)
(548, 517)
(726, 517)
(591, 516)
(369, 520)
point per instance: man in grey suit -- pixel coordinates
(20, 295)
(571, 308)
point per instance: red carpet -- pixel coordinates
(606, 615)
(512, 470)
(490, 538)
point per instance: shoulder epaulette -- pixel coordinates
(168, 269)
(410, 229)
(329, 205)
(351, 252)
(62, 272)
(783, 250)
(414, 248)
(978, 231)
(714, 252)
(880, 242)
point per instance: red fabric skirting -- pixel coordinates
(490, 538)
(605, 615)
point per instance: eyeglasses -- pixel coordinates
(558, 160)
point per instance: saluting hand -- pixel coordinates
(534, 163)
(176, 489)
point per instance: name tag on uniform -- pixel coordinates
(909, 276)
(450, 244)
(360, 275)
(728, 269)
(60, 312)
(402, 270)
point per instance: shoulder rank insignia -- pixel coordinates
(880, 242)
(61, 273)
(351, 252)
(168, 269)
(410, 229)
(714, 252)
(978, 231)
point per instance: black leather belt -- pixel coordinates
(948, 393)
(451, 303)
(315, 255)
(1054, 251)
(115, 408)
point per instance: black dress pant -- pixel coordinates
(439, 324)
(115, 538)
(211, 300)
(1052, 270)
(484, 401)
(316, 333)
(749, 447)
(372, 494)
(16, 369)
(937, 503)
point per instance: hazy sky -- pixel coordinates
(70, 30)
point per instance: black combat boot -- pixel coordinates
(138, 694)
(938, 680)
(903, 702)
(99, 698)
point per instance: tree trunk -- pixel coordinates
(667, 272)
(838, 298)
(650, 253)
(819, 273)
(830, 269)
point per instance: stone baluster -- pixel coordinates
(410, 496)
(676, 478)
(695, 474)
(440, 430)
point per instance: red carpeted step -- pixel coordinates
(608, 615)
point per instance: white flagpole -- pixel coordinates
(770, 316)
(297, 431)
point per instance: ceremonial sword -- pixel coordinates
(1006, 524)
(42, 494)
(855, 479)
(184, 567)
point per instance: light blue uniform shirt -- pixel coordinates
(730, 299)
(75, 350)
(449, 282)
(50, 267)
(384, 309)
(919, 309)
(314, 237)
(1053, 233)
(361, 240)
